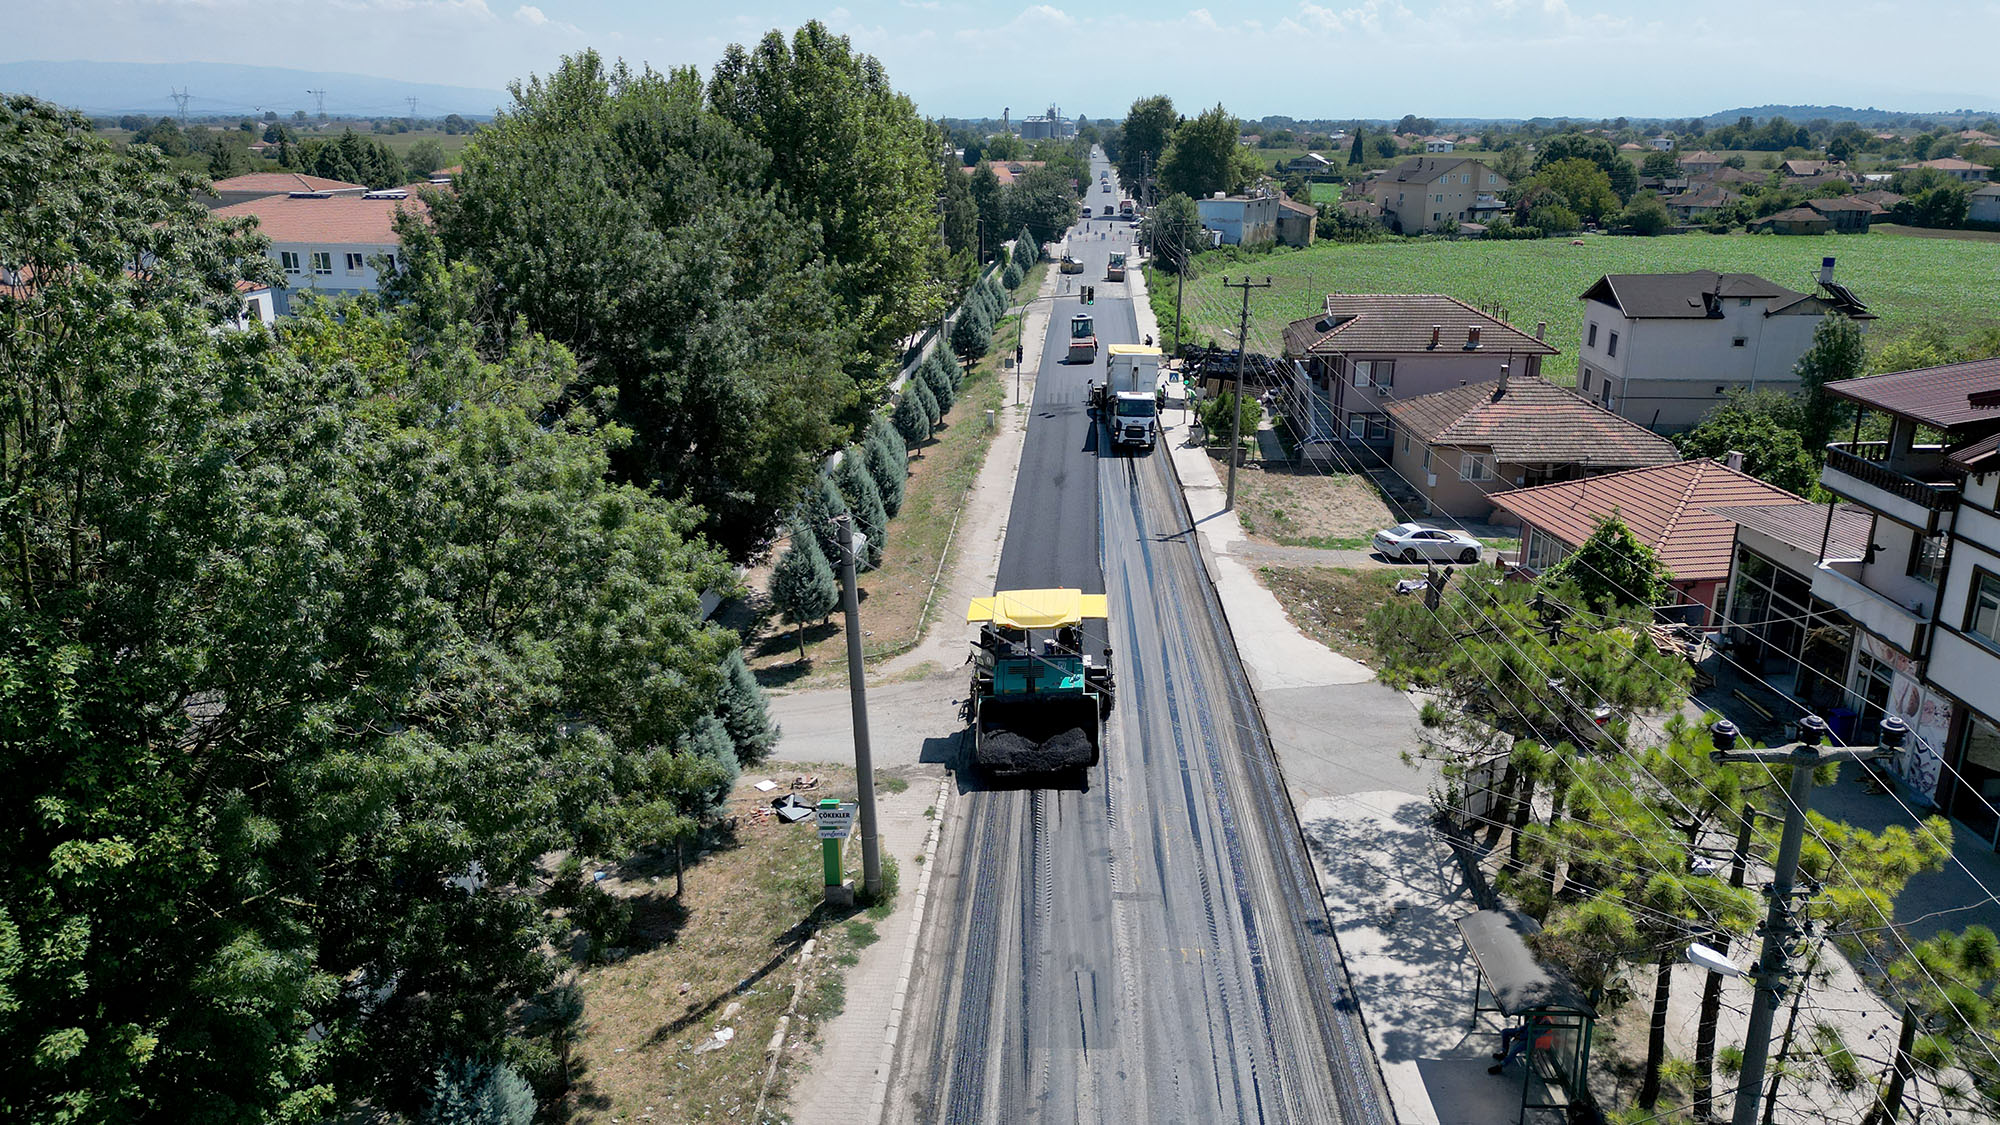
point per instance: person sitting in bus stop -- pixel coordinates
(1514, 1041)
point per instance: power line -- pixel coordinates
(180, 97)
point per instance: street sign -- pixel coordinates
(836, 822)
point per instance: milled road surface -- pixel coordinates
(1149, 947)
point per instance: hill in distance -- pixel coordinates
(231, 89)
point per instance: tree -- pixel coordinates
(821, 505)
(889, 467)
(475, 1093)
(989, 203)
(933, 373)
(1578, 185)
(1763, 426)
(1837, 353)
(1216, 416)
(1203, 157)
(1176, 230)
(1042, 202)
(1950, 1020)
(1385, 147)
(1354, 151)
(1660, 166)
(1646, 215)
(1618, 172)
(853, 161)
(972, 332)
(961, 212)
(739, 703)
(911, 425)
(864, 500)
(1149, 125)
(1612, 569)
(1011, 276)
(927, 401)
(803, 586)
(424, 157)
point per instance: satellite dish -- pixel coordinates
(1714, 961)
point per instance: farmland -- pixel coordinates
(1908, 282)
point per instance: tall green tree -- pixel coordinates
(1761, 425)
(864, 501)
(1611, 568)
(741, 706)
(1618, 171)
(1204, 157)
(1176, 229)
(1149, 125)
(803, 587)
(853, 160)
(1354, 151)
(991, 206)
(1837, 353)
(1042, 202)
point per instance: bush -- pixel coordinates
(1215, 416)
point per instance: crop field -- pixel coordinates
(1324, 193)
(1908, 282)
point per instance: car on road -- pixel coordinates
(1413, 542)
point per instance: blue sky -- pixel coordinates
(1342, 58)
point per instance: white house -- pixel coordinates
(1241, 220)
(1661, 349)
(1663, 143)
(1983, 206)
(328, 243)
(1437, 144)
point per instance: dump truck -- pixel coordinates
(1115, 269)
(1038, 702)
(1082, 339)
(1128, 400)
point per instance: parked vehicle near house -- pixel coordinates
(1412, 542)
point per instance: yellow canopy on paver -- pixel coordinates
(1037, 609)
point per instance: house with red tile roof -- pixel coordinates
(329, 244)
(1366, 350)
(1951, 166)
(1667, 506)
(1460, 447)
(264, 185)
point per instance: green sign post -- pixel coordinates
(835, 822)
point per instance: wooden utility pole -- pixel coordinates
(1242, 355)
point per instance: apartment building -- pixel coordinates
(1427, 193)
(325, 243)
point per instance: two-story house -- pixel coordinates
(1425, 193)
(1366, 350)
(264, 185)
(1963, 170)
(1663, 348)
(1242, 220)
(328, 243)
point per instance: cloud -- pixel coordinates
(529, 14)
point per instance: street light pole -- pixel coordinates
(1804, 756)
(857, 683)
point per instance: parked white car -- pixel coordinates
(1413, 542)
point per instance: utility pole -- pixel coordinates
(319, 98)
(180, 97)
(1242, 355)
(413, 107)
(1804, 756)
(857, 683)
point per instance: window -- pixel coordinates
(1406, 443)
(1383, 372)
(1427, 459)
(290, 260)
(1927, 557)
(1492, 179)
(1474, 466)
(1436, 216)
(1740, 342)
(1544, 550)
(1718, 388)
(1362, 370)
(1742, 302)
(322, 261)
(1357, 425)
(1464, 180)
(1590, 340)
(1604, 391)
(1437, 198)
(1611, 347)
(1378, 428)
(1583, 380)
(354, 263)
(1982, 617)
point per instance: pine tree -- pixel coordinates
(884, 429)
(890, 469)
(952, 367)
(973, 333)
(822, 504)
(927, 402)
(1354, 151)
(803, 586)
(940, 386)
(474, 1093)
(740, 704)
(1011, 276)
(910, 423)
(711, 743)
(1025, 243)
(864, 499)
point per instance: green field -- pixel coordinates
(1323, 193)
(1908, 282)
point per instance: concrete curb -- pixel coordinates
(878, 1097)
(775, 1049)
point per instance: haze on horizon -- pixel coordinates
(1373, 58)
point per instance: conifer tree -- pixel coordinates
(927, 402)
(891, 471)
(864, 500)
(740, 703)
(822, 504)
(803, 587)
(909, 421)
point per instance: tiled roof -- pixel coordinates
(1950, 397)
(1401, 322)
(1794, 215)
(278, 183)
(1945, 164)
(1668, 507)
(1424, 169)
(335, 221)
(1842, 203)
(1883, 199)
(1296, 206)
(1800, 526)
(1727, 175)
(1532, 422)
(1657, 296)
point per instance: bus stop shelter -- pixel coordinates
(1527, 993)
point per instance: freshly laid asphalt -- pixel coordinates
(1147, 944)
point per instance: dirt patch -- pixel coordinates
(724, 955)
(1331, 604)
(1295, 505)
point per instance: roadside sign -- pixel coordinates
(835, 821)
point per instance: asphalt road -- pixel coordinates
(1150, 946)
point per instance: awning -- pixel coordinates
(1036, 609)
(1519, 983)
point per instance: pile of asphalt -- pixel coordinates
(1005, 752)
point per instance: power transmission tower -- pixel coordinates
(180, 97)
(319, 98)
(413, 106)
(1242, 355)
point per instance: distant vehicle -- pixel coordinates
(1115, 269)
(1108, 211)
(1082, 339)
(1412, 542)
(1124, 205)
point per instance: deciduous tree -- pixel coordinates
(1837, 353)
(1203, 157)
(1149, 125)
(1761, 425)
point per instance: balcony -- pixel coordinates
(1910, 487)
(1896, 619)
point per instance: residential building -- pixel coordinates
(1460, 447)
(329, 244)
(1296, 222)
(1726, 176)
(1951, 166)
(1365, 351)
(1794, 220)
(1800, 169)
(1975, 138)
(1847, 214)
(1983, 206)
(1310, 164)
(1661, 349)
(1700, 162)
(1007, 171)
(1923, 590)
(1699, 203)
(1881, 199)
(1437, 144)
(1425, 193)
(1663, 143)
(264, 185)
(1241, 220)
(1667, 506)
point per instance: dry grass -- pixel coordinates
(725, 955)
(1295, 505)
(893, 596)
(1331, 604)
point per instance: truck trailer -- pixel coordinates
(1038, 702)
(1128, 400)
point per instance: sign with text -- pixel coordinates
(836, 823)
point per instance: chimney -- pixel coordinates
(1502, 388)
(1471, 336)
(1735, 460)
(1437, 331)
(1826, 271)
(1541, 329)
